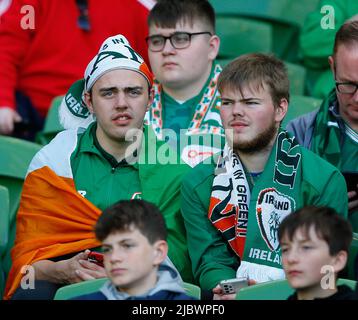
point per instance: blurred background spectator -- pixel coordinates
(45, 46)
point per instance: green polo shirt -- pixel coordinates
(98, 176)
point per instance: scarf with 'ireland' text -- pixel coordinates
(249, 219)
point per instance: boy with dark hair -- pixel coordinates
(314, 241)
(133, 236)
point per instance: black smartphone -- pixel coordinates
(351, 178)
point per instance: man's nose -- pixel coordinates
(168, 47)
(238, 109)
(121, 101)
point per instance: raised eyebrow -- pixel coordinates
(107, 89)
(250, 99)
(133, 88)
(227, 99)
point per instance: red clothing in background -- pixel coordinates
(43, 62)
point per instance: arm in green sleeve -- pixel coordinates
(211, 259)
(333, 194)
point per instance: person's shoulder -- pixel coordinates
(170, 295)
(55, 153)
(201, 172)
(311, 160)
(302, 126)
(98, 295)
(319, 174)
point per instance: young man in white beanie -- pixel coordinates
(109, 157)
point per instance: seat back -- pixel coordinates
(272, 290)
(240, 35)
(300, 105)
(276, 290)
(4, 232)
(352, 264)
(285, 31)
(15, 157)
(297, 77)
(78, 289)
(52, 123)
(90, 286)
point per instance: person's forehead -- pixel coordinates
(181, 25)
(253, 89)
(130, 233)
(347, 52)
(123, 78)
(346, 63)
(303, 234)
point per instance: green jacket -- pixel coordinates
(212, 259)
(159, 175)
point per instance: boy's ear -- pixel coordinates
(160, 252)
(340, 261)
(88, 101)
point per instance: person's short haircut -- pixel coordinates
(126, 214)
(167, 13)
(346, 35)
(253, 71)
(328, 225)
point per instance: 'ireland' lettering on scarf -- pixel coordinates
(280, 205)
(265, 255)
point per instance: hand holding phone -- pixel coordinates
(233, 285)
(96, 257)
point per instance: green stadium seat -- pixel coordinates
(352, 257)
(297, 76)
(52, 124)
(298, 106)
(272, 290)
(239, 36)
(4, 232)
(276, 290)
(285, 29)
(15, 157)
(289, 10)
(90, 286)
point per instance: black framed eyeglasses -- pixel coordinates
(346, 87)
(83, 19)
(179, 40)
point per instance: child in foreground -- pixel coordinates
(133, 236)
(315, 244)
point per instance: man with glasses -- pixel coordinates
(182, 47)
(332, 131)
